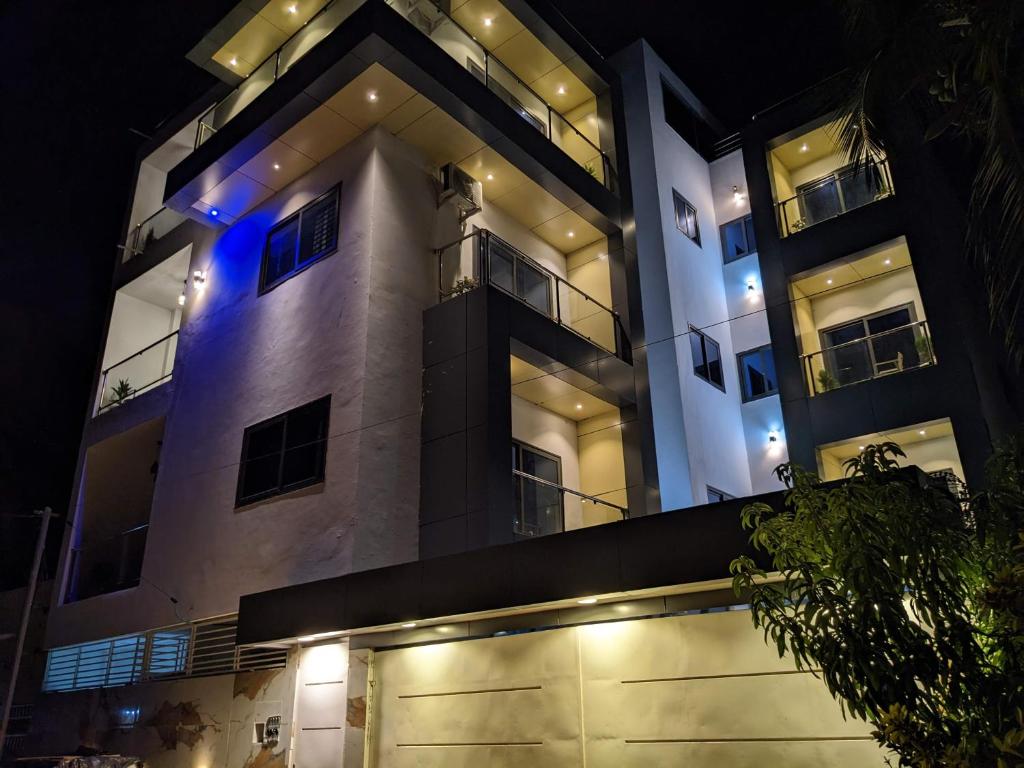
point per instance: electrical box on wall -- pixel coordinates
(465, 191)
(267, 732)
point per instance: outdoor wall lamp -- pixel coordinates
(773, 436)
(199, 279)
(181, 296)
(737, 196)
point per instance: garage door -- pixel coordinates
(697, 691)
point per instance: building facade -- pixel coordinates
(433, 329)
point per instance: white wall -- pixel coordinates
(555, 434)
(349, 326)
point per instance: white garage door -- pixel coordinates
(700, 691)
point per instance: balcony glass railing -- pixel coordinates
(484, 258)
(451, 38)
(871, 357)
(541, 506)
(107, 565)
(150, 231)
(140, 372)
(834, 195)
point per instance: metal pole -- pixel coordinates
(26, 613)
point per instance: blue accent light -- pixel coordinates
(214, 212)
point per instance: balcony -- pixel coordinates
(814, 181)
(106, 565)
(860, 318)
(483, 258)
(541, 506)
(140, 372)
(870, 357)
(574, 131)
(144, 237)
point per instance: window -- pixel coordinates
(715, 495)
(757, 373)
(301, 240)
(284, 453)
(878, 344)
(738, 239)
(538, 498)
(686, 217)
(707, 358)
(687, 123)
(117, 661)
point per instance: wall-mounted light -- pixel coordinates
(737, 196)
(751, 285)
(773, 436)
(181, 296)
(199, 279)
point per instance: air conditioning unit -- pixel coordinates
(459, 186)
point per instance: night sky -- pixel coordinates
(82, 80)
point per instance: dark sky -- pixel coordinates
(79, 77)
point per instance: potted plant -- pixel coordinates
(121, 392)
(462, 285)
(826, 381)
(923, 345)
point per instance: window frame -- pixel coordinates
(704, 339)
(265, 287)
(518, 446)
(745, 396)
(710, 489)
(281, 489)
(676, 200)
(726, 259)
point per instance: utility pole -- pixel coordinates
(26, 615)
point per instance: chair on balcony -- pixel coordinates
(895, 365)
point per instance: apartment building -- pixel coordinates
(442, 355)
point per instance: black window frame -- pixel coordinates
(744, 394)
(703, 363)
(282, 488)
(747, 226)
(678, 199)
(518, 446)
(264, 286)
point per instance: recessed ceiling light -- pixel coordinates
(371, 96)
(234, 61)
(570, 233)
(887, 262)
(602, 256)
(860, 447)
(214, 212)
(277, 166)
(488, 21)
(490, 177)
(561, 90)
(587, 601)
(579, 406)
(293, 8)
(920, 431)
(409, 625)
(803, 147)
(829, 281)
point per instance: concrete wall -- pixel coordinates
(886, 291)
(349, 326)
(697, 691)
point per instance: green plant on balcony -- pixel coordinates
(121, 391)
(463, 285)
(589, 168)
(826, 381)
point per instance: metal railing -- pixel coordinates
(484, 258)
(194, 649)
(152, 365)
(451, 38)
(143, 235)
(107, 565)
(870, 357)
(541, 504)
(834, 195)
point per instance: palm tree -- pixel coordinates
(960, 65)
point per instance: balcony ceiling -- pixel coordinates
(554, 394)
(854, 269)
(162, 285)
(378, 97)
(819, 143)
(903, 437)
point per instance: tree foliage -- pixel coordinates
(960, 65)
(907, 601)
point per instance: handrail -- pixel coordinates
(851, 170)
(136, 354)
(622, 510)
(870, 336)
(115, 537)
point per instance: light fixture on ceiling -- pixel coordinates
(603, 256)
(409, 625)
(490, 177)
(214, 212)
(570, 233)
(860, 447)
(277, 166)
(587, 601)
(292, 9)
(488, 21)
(234, 61)
(921, 432)
(887, 262)
(181, 296)
(829, 281)
(579, 406)
(371, 96)
(561, 90)
(804, 147)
